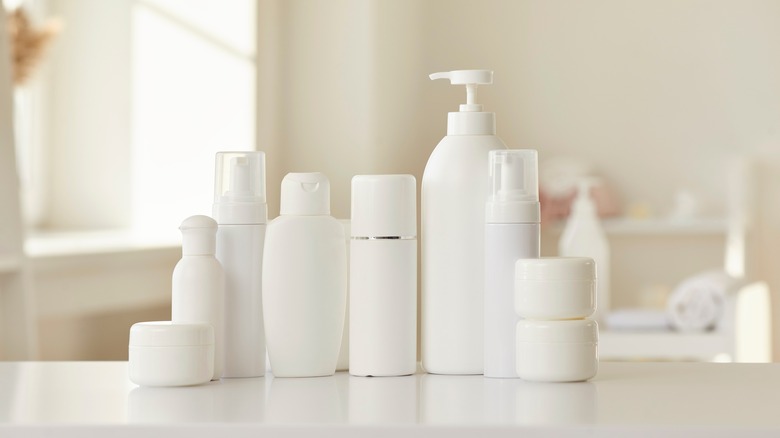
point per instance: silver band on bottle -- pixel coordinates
(384, 238)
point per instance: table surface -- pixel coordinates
(86, 398)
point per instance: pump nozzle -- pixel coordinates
(469, 78)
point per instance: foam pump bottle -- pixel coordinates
(240, 210)
(511, 233)
(383, 276)
(304, 280)
(198, 283)
(454, 192)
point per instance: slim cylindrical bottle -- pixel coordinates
(383, 276)
(304, 280)
(511, 233)
(199, 283)
(241, 212)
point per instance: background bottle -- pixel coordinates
(383, 276)
(583, 236)
(511, 233)
(454, 191)
(241, 212)
(304, 280)
(199, 283)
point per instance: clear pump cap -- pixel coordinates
(239, 187)
(514, 186)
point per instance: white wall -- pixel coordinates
(656, 94)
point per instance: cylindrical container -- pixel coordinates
(199, 283)
(383, 276)
(241, 212)
(452, 220)
(555, 288)
(557, 351)
(511, 232)
(162, 353)
(304, 280)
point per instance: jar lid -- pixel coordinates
(556, 269)
(169, 334)
(572, 331)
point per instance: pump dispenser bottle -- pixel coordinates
(199, 283)
(511, 233)
(304, 280)
(583, 236)
(241, 212)
(454, 192)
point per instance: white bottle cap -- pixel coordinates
(163, 353)
(239, 188)
(384, 206)
(555, 288)
(514, 187)
(198, 236)
(470, 120)
(305, 194)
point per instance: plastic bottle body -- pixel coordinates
(304, 294)
(454, 191)
(198, 296)
(584, 237)
(383, 307)
(504, 244)
(240, 251)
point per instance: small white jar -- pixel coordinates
(554, 288)
(557, 351)
(163, 353)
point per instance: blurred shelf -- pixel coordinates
(664, 345)
(658, 227)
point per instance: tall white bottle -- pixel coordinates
(304, 280)
(454, 191)
(241, 212)
(383, 276)
(583, 236)
(511, 232)
(199, 283)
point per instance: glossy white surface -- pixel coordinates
(670, 398)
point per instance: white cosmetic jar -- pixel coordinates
(557, 351)
(555, 287)
(163, 353)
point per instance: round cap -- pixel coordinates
(169, 334)
(305, 194)
(198, 236)
(558, 332)
(384, 206)
(556, 269)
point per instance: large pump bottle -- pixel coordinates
(454, 192)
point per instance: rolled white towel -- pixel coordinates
(697, 303)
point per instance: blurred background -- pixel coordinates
(112, 113)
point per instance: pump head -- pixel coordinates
(469, 78)
(514, 186)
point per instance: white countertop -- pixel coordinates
(674, 399)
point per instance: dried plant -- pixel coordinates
(29, 43)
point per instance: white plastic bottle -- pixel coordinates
(304, 280)
(511, 233)
(241, 212)
(199, 283)
(583, 236)
(383, 276)
(454, 191)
